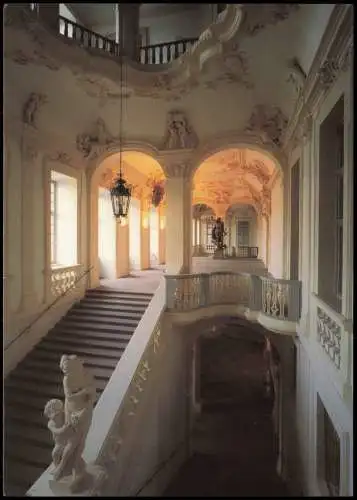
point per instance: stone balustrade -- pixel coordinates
(279, 299)
(64, 277)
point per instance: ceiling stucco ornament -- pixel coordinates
(328, 73)
(331, 58)
(98, 136)
(61, 157)
(179, 134)
(259, 16)
(101, 88)
(268, 122)
(297, 76)
(32, 107)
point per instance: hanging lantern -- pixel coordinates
(120, 194)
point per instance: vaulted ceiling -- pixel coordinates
(233, 176)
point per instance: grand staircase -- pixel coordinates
(97, 329)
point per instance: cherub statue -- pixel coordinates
(179, 135)
(70, 423)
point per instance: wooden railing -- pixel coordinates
(86, 37)
(164, 53)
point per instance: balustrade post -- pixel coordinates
(171, 284)
(294, 301)
(204, 295)
(255, 293)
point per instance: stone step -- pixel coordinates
(100, 317)
(119, 293)
(99, 327)
(46, 356)
(99, 312)
(67, 340)
(96, 305)
(20, 473)
(89, 334)
(16, 449)
(39, 366)
(80, 351)
(97, 299)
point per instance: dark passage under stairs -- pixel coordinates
(97, 329)
(233, 443)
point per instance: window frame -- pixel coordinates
(53, 218)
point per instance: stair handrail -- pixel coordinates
(27, 328)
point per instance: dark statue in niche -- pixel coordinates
(218, 234)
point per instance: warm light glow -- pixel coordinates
(162, 222)
(145, 221)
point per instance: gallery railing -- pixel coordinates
(279, 299)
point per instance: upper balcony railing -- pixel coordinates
(278, 300)
(162, 53)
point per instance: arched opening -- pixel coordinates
(203, 218)
(244, 186)
(234, 414)
(132, 247)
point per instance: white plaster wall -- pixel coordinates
(311, 382)
(106, 236)
(276, 231)
(13, 237)
(161, 421)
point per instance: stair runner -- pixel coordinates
(97, 329)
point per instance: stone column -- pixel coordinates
(162, 235)
(145, 234)
(179, 205)
(129, 23)
(123, 268)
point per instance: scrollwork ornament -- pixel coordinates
(328, 73)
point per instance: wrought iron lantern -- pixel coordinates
(120, 194)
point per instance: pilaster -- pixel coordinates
(178, 169)
(145, 234)
(122, 249)
(30, 155)
(162, 235)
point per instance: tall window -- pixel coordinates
(339, 214)
(330, 217)
(53, 221)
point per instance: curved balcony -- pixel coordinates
(275, 304)
(161, 53)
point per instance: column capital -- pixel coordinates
(177, 163)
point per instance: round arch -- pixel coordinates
(96, 167)
(245, 141)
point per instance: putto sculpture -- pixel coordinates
(179, 134)
(69, 423)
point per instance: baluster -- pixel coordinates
(176, 53)
(96, 41)
(161, 55)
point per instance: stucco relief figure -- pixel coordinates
(270, 123)
(31, 107)
(70, 423)
(179, 134)
(297, 76)
(84, 144)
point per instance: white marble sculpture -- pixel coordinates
(179, 134)
(70, 423)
